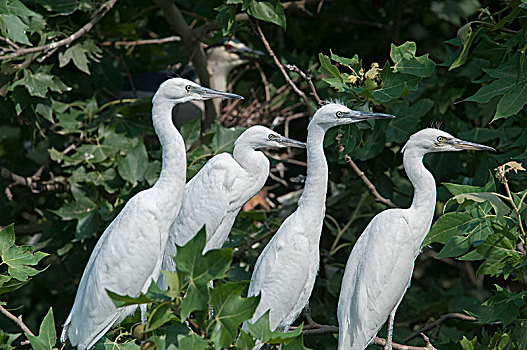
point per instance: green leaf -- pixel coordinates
(62, 7)
(467, 36)
(223, 139)
(39, 83)
(19, 259)
(190, 132)
(373, 144)
(77, 53)
(226, 15)
(406, 62)
(499, 206)
(327, 68)
(407, 121)
(469, 344)
(132, 167)
(511, 82)
(269, 11)
(125, 300)
(244, 341)
(200, 270)
(230, 311)
(295, 344)
(7, 339)
(13, 28)
(395, 85)
(159, 316)
(500, 253)
(450, 225)
(261, 330)
(47, 337)
(153, 293)
(192, 341)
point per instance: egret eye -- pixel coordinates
(188, 87)
(339, 114)
(440, 139)
(272, 137)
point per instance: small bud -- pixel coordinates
(138, 330)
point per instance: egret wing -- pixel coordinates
(117, 257)
(280, 277)
(377, 275)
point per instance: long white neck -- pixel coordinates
(313, 200)
(253, 162)
(173, 173)
(424, 200)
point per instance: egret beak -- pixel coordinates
(207, 93)
(461, 144)
(290, 142)
(358, 116)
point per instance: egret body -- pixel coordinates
(285, 272)
(216, 194)
(129, 253)
(380, 266)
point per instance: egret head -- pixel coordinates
(181, 90)
(435, 140)
(334, 114)
(231, 51)
(259, 136)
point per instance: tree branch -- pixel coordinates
(17, 320)
(439, 321)
(194, 52)
(143, 42)
(279, 65)
(33, 182)
(307, 77)
(107, 6)
(371, 187)
(323, 329)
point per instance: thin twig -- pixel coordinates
(371, 187)
(438, 322)
(17, 320)
(307, 77)
(323, 329)
(33, 182)
(279, 65)
(125, 43)
(107, 6)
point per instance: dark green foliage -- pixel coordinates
(73, 125)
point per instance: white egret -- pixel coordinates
(129, 253)
(216, 194)
(285, 272)
(380, 266)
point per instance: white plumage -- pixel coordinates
(129, 253)
(285, 272)
(380, 266)
(216, 194)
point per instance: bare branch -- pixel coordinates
(323, 329)
(17, 320)
(279, 65)
(371, 187)
(439, 321)
(33, 182)
(107, 6)
(307, 77)
(191, 41)
(125, 43)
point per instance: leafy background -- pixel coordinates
(76, 142)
